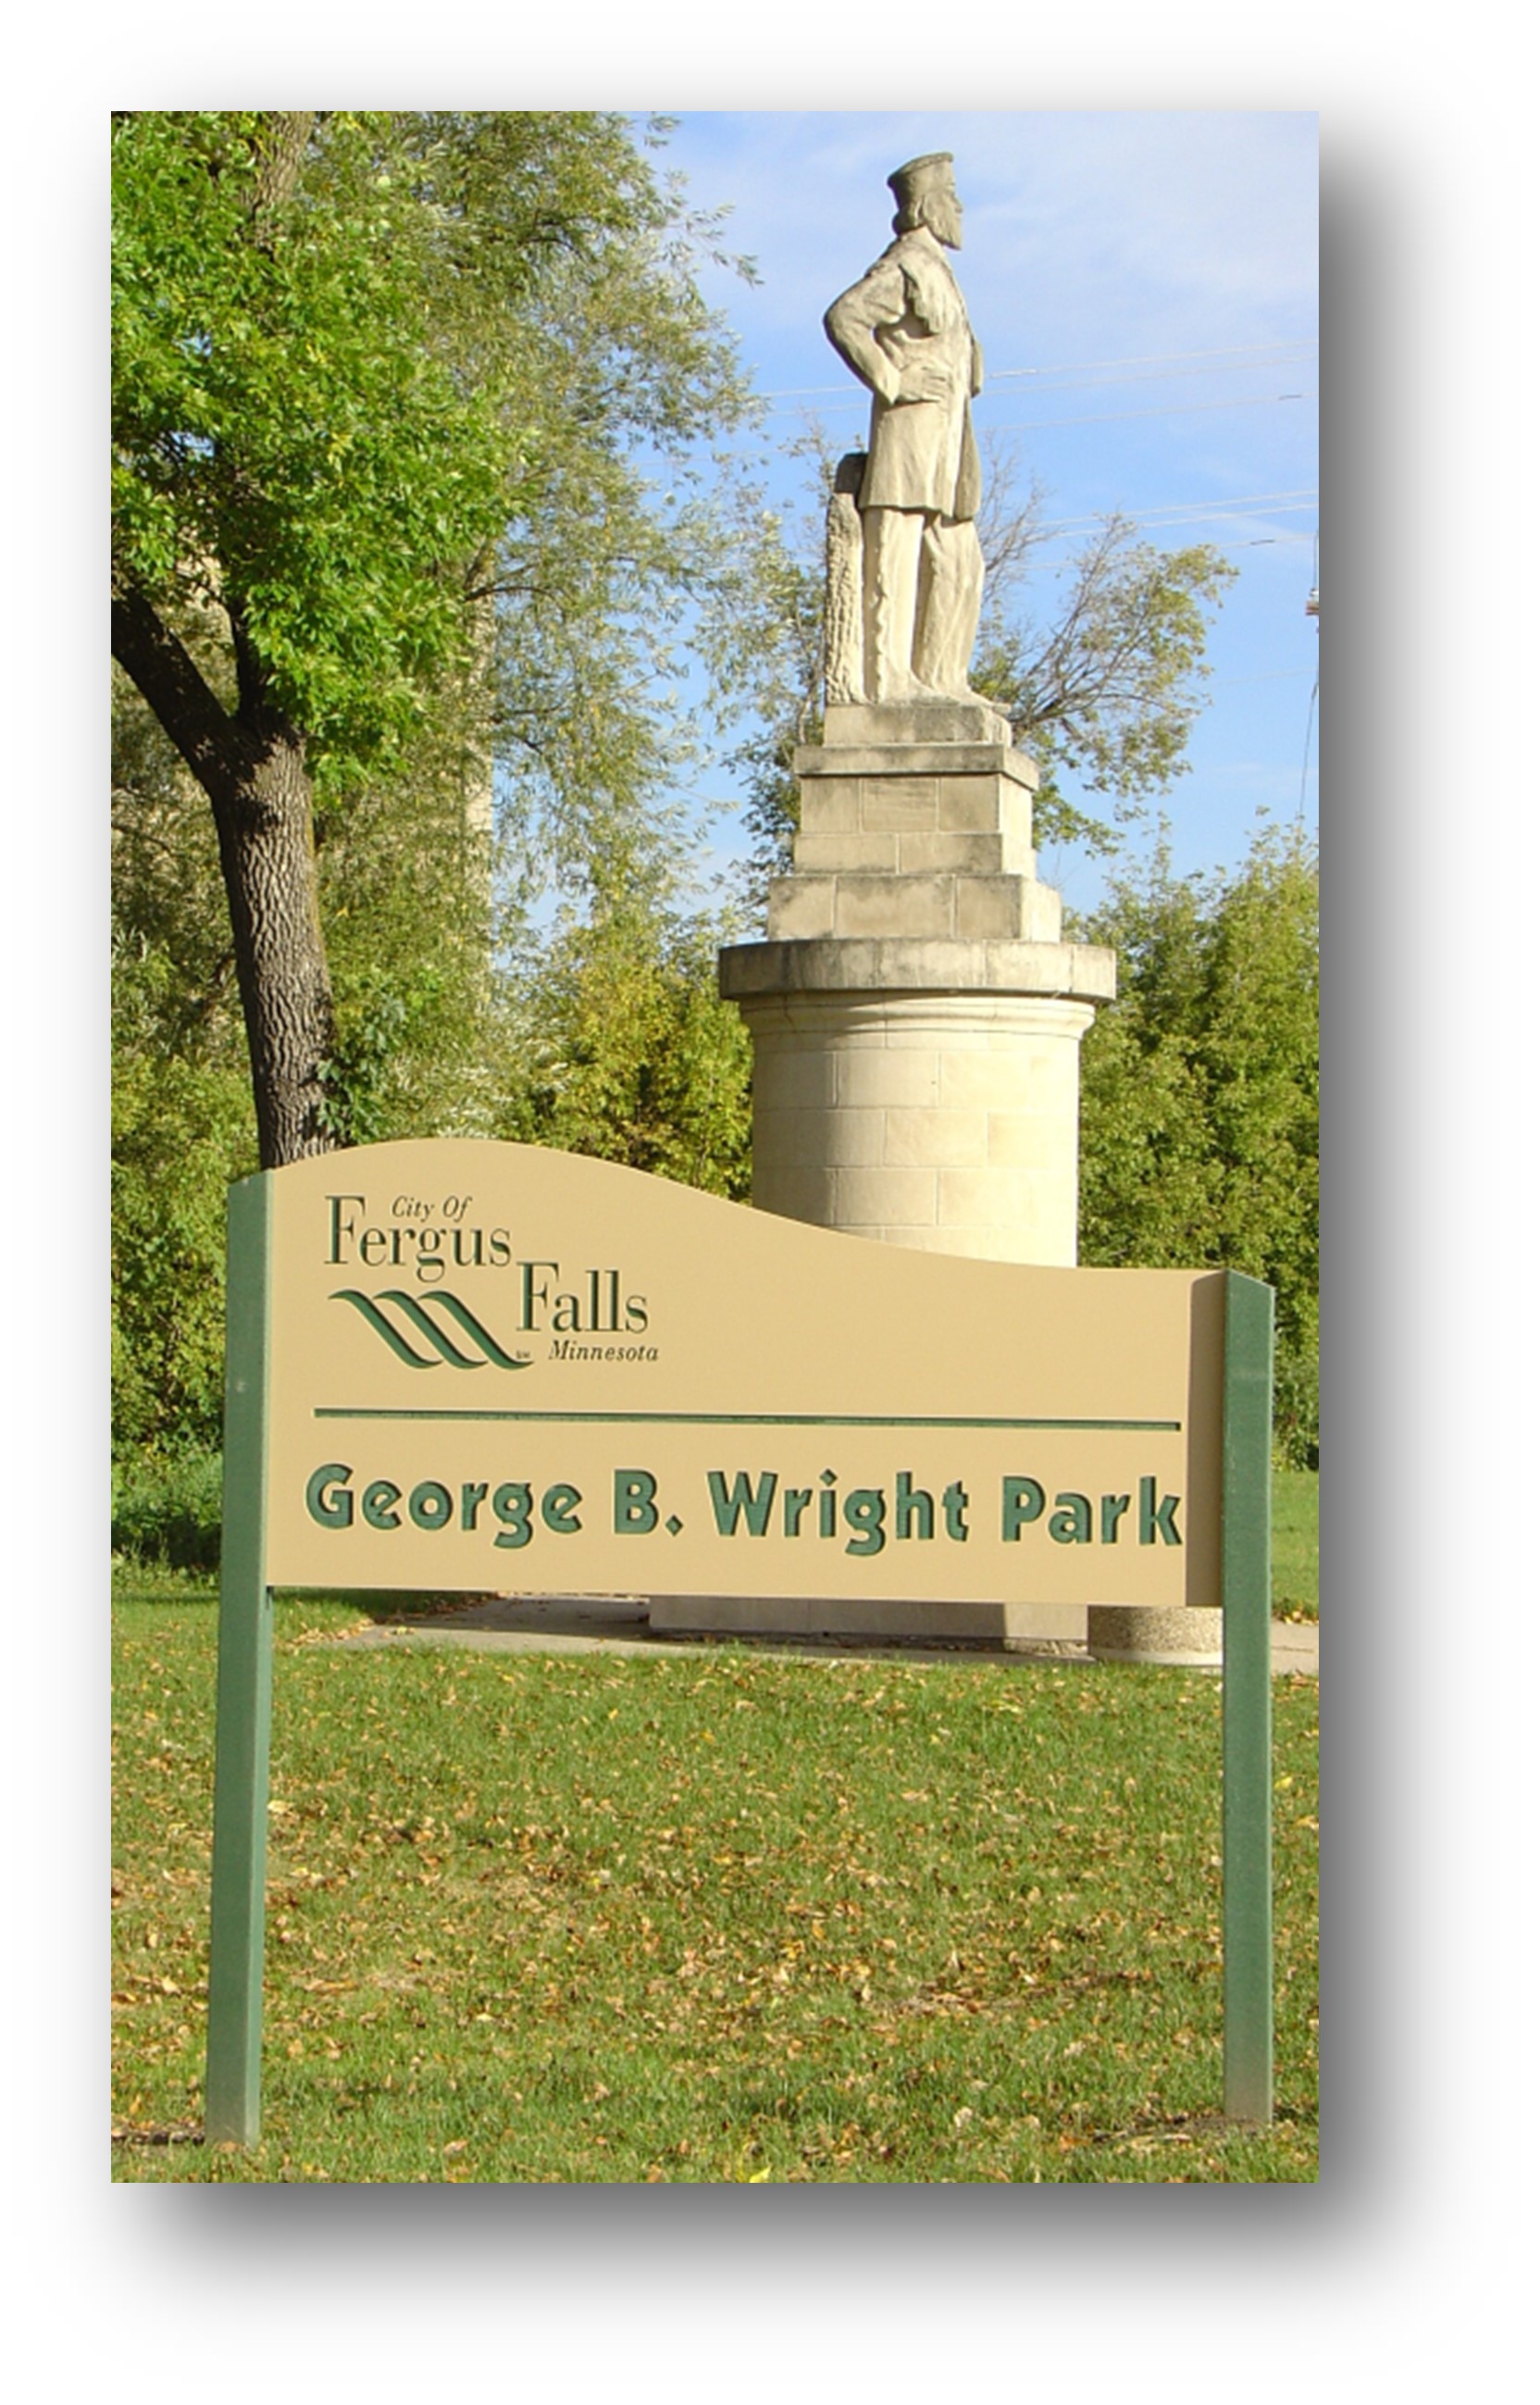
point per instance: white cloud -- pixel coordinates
(1079, 225)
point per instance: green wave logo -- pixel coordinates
(414, 1309)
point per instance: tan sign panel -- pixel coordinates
(497, 1367)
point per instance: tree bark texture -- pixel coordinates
(280, 153)
(251, 765)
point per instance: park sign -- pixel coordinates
(493, 1366)
(475, 1367)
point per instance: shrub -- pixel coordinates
(165, 1509)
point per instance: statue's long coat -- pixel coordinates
(922, 455)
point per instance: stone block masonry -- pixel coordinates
(915, 1014)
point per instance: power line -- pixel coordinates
(1106, 417)
(1284, 355)
(1163, 509)
(1122, 416)
(1173, 358)
(1260, 354)
(1068, 530)
(1198, 513)
(1261, 505)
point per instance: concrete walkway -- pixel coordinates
(619, 1624)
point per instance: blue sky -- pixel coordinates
(1144, 285)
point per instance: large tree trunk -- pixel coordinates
(267, 852)
(251, 765)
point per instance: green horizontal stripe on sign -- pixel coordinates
(740, 1419)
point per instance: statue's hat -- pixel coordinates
(921, 176)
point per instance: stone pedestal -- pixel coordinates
(917, 1016)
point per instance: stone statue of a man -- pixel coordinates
(904, 332)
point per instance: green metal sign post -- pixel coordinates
(234, 2093)
(1246, 1585)
(233, 2101)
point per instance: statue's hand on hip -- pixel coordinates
(921, 380)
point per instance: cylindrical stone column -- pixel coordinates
(947, 1121)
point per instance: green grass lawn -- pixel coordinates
(713, 1915)
(1296, 1542)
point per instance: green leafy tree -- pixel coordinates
(379, 382)
(181, 1095)
(181, 1131)
(1104, 683)
(1200, 1091)
(626, 1053)
(403, 886)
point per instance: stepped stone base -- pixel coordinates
(849, 725)
(917, 1016)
